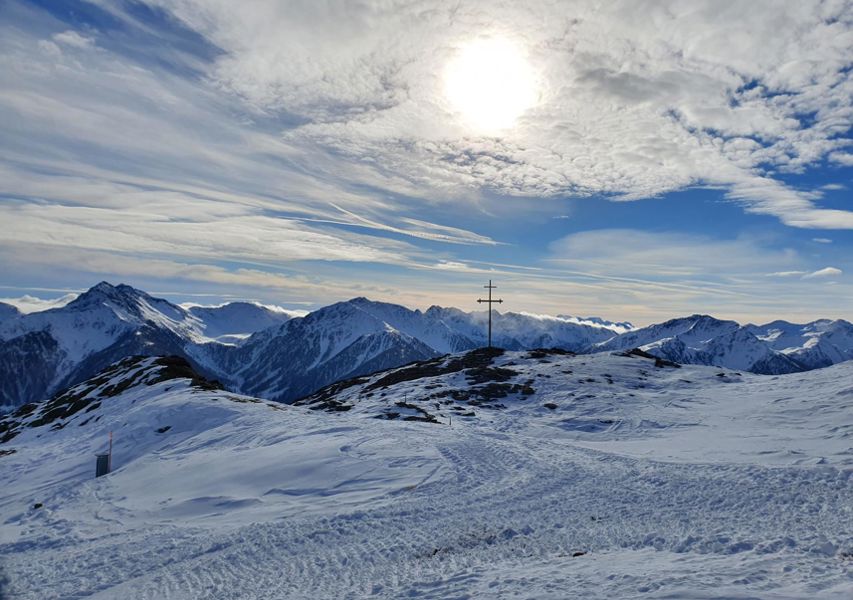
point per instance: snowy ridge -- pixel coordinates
(43, 352)
(775, 348)
(627, 401)
(279, 355)
(236, 321)
(617, 476)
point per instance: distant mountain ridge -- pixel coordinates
(281, 356)
(774, 348)
(44, 352)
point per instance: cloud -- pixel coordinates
(636, 100)
(842, 158)
(74, 39)
(201, 231)
(822, 240)
(825, 272)
(29, 304)
(818, 274)
(651, 276)
(663, 256)
(307, 149)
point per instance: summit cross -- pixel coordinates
(490, 287)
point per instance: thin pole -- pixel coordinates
(110, 459)
(490, 313)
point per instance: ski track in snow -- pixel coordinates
(414, 510)
(502, 503)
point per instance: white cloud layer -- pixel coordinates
(30, 304)
(637, 98)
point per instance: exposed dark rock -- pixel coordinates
(473, 360)
(659, 362)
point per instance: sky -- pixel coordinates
(630, 160)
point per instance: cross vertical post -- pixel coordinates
(490, 287)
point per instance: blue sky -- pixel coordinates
(636, 161)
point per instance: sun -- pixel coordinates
(490, 84)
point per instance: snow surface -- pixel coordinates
(689, 482)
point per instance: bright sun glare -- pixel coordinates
(490, 84)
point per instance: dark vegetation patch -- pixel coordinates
(473, 360)
(387, 415)
(488, 374)
(164, 429)
(485, 395)
(330, 405)
(545, 352)
(659, 362)
(7, 451)
(244, 400)
(324, 399)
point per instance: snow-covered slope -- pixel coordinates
(812, 345)
(44, 351)
(336, 342)
(7, 311)
(622, 401)
(599, 476)
(777, 347)
(235, 321)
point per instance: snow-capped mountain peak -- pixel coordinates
(283, 355)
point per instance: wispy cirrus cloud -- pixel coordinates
(825, 272)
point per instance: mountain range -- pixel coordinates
(283, 356)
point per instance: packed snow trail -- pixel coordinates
(501, 501)
(256, 503)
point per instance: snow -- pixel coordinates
(690, 482)
(777, 347)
